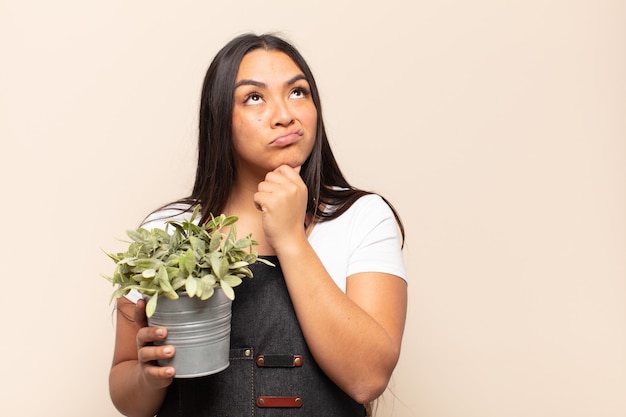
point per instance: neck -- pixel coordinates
(241, 198)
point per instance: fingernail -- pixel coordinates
(169, 372)
(167, 350)
(159, 332)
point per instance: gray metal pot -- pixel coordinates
(199, 330)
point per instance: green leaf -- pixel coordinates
(219, 265)
(207, 293)
(244, 243)
(198, 245)
(178, 283)
(196, 212)
(211, 224)
(164, 281)
(237, 265)
(138, 235)
(127, 261)
(191, 286)
(229, 220)
(179, 228)
(172, 271)
(245, 272)
(146, 263)
(208, 280)
(265, 261)
(188, 261)
(228, 291)
(151, 305)
(216, 239)
(231, 238)
(172, 295)
(232, 280)
(116, 257)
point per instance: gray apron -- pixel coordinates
(271, 371)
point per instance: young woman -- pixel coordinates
(337, 296)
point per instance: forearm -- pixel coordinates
(129, 392)
(350, 345)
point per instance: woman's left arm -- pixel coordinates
(354, 336)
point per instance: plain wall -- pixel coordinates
(496, 128)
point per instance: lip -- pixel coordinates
(287, 138)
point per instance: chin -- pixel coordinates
(291, 162)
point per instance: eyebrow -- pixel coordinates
(263, 85)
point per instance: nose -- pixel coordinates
(281, 115)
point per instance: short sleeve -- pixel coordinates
(363, 239)
(375, 239)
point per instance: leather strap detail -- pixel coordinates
(279, 361)
(278, 402)
(246, 353)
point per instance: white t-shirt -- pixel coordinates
(363, 239)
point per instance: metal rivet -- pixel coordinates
(298, 400)
(247, 352)
(297, 361)
(261, 401)
(260, 361)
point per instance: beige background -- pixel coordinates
(497, 128)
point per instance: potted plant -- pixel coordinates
(187, 274)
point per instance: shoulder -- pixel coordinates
(369, 214)
(370, 209)
(371, 204)
(172, 212)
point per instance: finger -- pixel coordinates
(276, 177)
(273, 184)
(281, 180)
(149, 354)
(288, 171)
(162, 375)
(157, 376)
(149, 335)
(139, 314)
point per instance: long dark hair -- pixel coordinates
(330, 194)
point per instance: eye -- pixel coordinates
(299, 92)
(253, 98)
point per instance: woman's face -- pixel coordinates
(274, 117)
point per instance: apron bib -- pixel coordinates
(271, 373)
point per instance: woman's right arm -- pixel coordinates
(137, 385)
